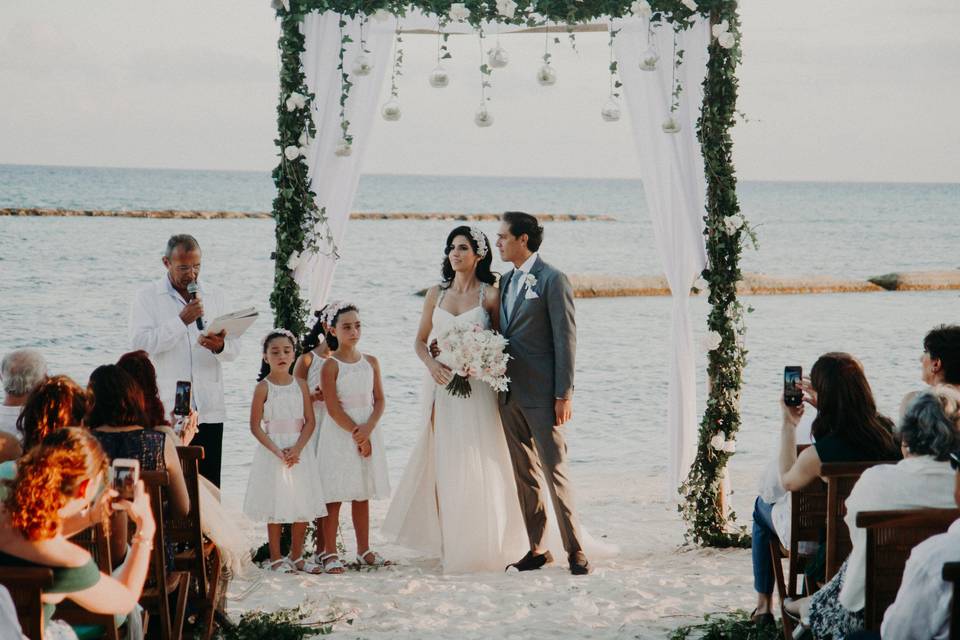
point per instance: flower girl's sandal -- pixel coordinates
(331, 564)
(378, 560)
(283, 565)
(307, 565)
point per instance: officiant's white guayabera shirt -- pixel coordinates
(155, 326)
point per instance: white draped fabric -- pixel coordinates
(671, 164)
(672, 170)
(334, 178)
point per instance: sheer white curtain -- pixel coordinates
(673, 181)
(335, 178)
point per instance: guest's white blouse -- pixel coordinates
(913, 483)
(922, 608)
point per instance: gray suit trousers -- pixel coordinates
(536, 445)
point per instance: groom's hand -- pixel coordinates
(563, 407)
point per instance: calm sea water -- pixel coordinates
(66, 284)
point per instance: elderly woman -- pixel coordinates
(923, 479)
(847, 428)
(63, 477)
(20, 371)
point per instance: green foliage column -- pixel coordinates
(725, 231)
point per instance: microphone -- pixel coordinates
(192, 289)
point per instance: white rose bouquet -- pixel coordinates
(474, 352)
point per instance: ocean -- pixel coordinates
(67, 282)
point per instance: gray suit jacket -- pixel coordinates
(543, 338)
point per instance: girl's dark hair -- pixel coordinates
(138, 365)
(523, 223)
(114, 399)
(264, 367)
(846, 408)
(331, 339)
(312, 340)
(57, 403)
(483, 267)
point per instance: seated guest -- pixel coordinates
(940, 360)
(847, 428)
(64, 476)
(56, 403)
(923, 479)
(138, 365)
(922, 608)
(21, 371)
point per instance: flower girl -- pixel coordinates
(284, 484)
(353, 464)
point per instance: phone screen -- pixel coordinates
(125, 476)
(181, 405)
(792, 391)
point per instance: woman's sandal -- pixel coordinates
(307, 565)
(331, 564)
(378, 560)
(282, 565)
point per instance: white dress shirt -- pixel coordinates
(155, 326)
(8, 419)
(922, 608)
(913, 483)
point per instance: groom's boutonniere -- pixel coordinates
(531, 282)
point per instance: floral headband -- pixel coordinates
(329, 313)
(279, 331)
(481, 241)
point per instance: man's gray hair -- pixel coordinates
(185, 240)
(22, 371)
(931, 425)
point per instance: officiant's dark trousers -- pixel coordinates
(210, 437)
(535, 443)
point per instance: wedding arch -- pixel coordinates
(334, 56)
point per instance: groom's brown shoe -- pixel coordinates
(579, 566)
(531, 561)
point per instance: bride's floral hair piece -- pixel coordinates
(481, 241)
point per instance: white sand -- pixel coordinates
(653, 586)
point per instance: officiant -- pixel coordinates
(167, 318)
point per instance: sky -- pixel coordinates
(859, 90)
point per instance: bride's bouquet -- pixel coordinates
(474, 352)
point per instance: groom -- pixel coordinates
(536, 316)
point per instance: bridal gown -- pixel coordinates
(457, 499)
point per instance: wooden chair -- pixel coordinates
(200, 557)
(891, 535)
(161, 584)
(951, 573)
(26, 585)
(840, 478)
(96, 540)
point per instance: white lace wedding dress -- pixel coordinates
(457, 499)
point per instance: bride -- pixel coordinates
(457, 499)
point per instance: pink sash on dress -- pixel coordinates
(356, 401)
(286, 425)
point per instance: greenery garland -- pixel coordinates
(301, 225)
(725, 230)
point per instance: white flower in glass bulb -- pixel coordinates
(727, 40)
(506, 8)
(671, 125)
(498, 57)
(610, 111)
(459, 12)
(483, 118)
(546, 76)
(343, 148)
(439, 78)
(690, 4)
(718, 441)
(648, 61)
(362, 66)
(292, 152)
(641, 9)
(391, 110)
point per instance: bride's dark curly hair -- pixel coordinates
(484, 274)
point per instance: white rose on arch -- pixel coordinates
(730, 446)
(720, 28)
(293, 261)
(506, 8)
(727, 40)
(296, 101)
(459, 12)
(718, 441)
(641, 9)
(711, 342)
(292, 152)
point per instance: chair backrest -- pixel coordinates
(891, 535)
(26, 585)
(840, 478)
(154, 483)
(951, 573)
(187, 532)
(96, 541)
(808, 511)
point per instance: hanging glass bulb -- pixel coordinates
(611, 110)
(391, 110)
(439, 78)
(343, 149)
(498, 57)
(546, 76)
(362, 66)
(671, 125)
(649, 59)
(483, 117)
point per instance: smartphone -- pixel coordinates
(955, 461)
(181, 405)
(126, 474)
(792, 391)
